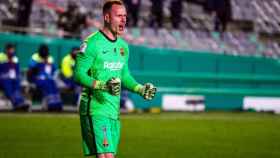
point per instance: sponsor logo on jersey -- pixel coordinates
(113, 66)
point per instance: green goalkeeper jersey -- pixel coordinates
(99, 60)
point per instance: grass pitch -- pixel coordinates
(166, 135)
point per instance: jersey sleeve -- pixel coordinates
(128, 80)
(84, 62)
(66, 67)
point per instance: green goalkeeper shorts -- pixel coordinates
(99, 134)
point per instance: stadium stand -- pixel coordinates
(197, 25)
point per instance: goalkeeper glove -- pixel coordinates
(113, 86)
(148, 91)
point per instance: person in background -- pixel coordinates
(41, 73)
(67, 72)
(133, 7)
(176, 8)
(221, 10)
(23, 13)
(156, 13)
(72, 21)
(10, 79)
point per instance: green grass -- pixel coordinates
(166, 135)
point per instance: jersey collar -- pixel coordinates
(107, 36)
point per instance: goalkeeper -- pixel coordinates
(102, 68)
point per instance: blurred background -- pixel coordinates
(215, 63)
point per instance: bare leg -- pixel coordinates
(101, 156)
(109, 155)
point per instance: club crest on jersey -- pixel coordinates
(122, 52)
(83, 47)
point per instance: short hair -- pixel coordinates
(75, 48)
(43, 50)
(43, 47)
(9, 46)
(109, 3)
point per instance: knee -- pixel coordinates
(101, 156)
(109, 155)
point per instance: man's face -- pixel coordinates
(116, 19)
(10, 51)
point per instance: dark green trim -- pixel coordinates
(108, 37)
